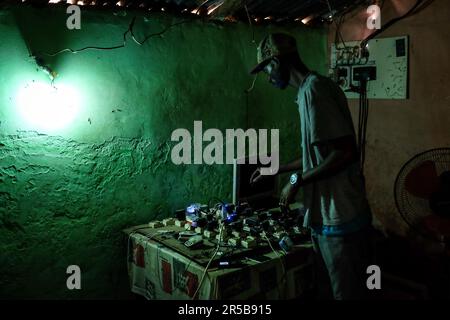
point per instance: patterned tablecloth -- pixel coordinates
(158, 272)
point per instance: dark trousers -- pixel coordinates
(341, 265)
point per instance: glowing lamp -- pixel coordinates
(48, 108)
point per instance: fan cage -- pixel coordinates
(414, 209)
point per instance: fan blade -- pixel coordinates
(423, 180)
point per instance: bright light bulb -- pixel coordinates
(213, 8)
(307, 19)
(47, 108)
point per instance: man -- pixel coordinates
(329, 174)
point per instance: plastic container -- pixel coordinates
(192, 212)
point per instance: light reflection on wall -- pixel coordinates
(47, 108)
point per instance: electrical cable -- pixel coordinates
(129, 30)
(157, 33)
(338, 33)
(251, 25)
(250, 89)
(359, 127)
(247, 98)
(361, 137)
(366, 117)
(414, 9)
(341, 20)
(283, 277)
(221, 227)
(93, 47)
(247, 105)
(336, 25)
(135, 232)
(363, 114)
(216, 199)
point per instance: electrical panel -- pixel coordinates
(385, 67)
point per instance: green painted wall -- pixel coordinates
(66, 193)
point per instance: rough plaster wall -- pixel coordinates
(66, 195)
(399, 129)
(65, 202)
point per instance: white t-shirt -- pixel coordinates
(324, 116)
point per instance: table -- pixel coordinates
(162, 268)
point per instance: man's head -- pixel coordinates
(277, 55)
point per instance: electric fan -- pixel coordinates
(422, 194)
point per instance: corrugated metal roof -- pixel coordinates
(269, 10)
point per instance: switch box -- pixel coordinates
(364, 73)
(385, 67)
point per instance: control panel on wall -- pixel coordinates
(386, 67)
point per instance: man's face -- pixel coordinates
(278, 74)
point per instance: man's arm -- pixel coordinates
(295, 165)
(341, 153)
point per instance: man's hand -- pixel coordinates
(288, 194)
(295, 165)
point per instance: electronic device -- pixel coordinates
(251, 221)
(180, 223)
(259, 195)
(248, 242)
(168, 222)
(286, 243)
(180, 214)
(192, 212)
(185, 235)
(194, 241)
(259, 259)
(236, 225)
(230, 264)
(155, 224)
(212, 225)
(209, 234)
